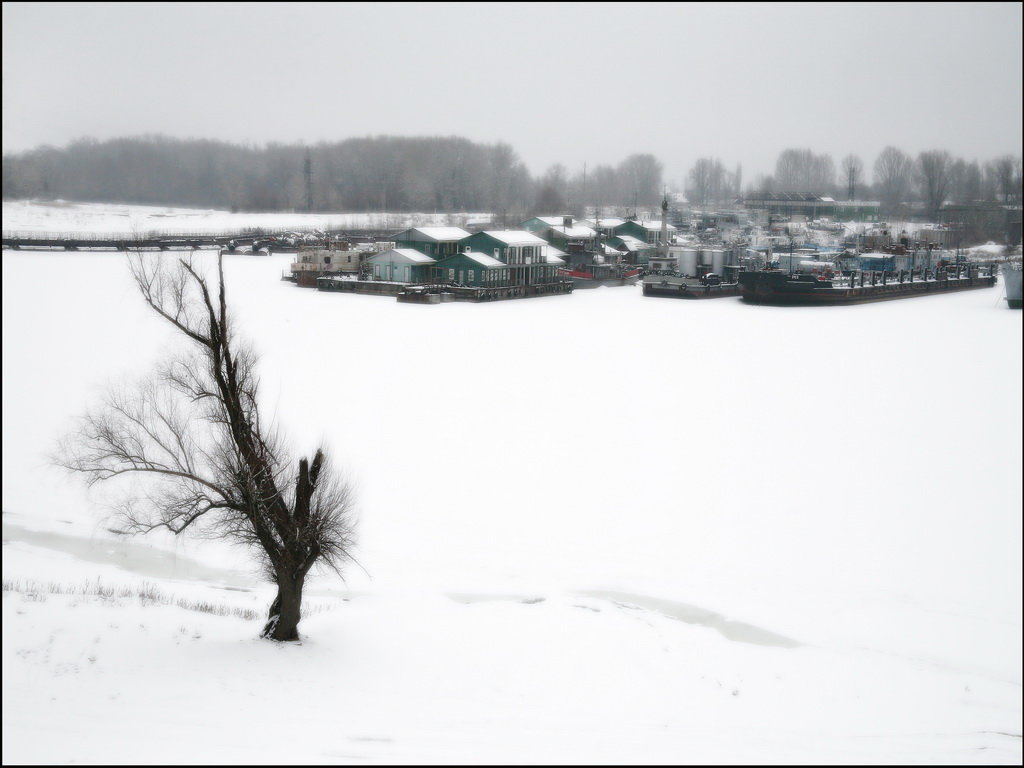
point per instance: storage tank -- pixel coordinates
(688, 262)
(706, 256)
(718, 261)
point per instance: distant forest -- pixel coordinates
(453, 174)
(384, 173)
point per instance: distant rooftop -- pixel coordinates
(442, 233)
(577, 231)
(515, 237)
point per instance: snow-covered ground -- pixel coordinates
(593, 528)
(27, 216)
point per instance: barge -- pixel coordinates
(689, 287)
(596, 275)
(778, 287)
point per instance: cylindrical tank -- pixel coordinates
(718, 261)
(688, 262)
(706, 256)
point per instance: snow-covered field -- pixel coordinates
(27, 216)
(593, 528)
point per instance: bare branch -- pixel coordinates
(194, 431)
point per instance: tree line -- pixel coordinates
(382, 173)
(898, 179)
(454, 174)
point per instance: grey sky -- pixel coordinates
(560, 82)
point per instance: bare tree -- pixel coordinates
(552, 191)
(853, 170)
(700, 181)
(933, 171)
(640, 175)
(1006, 173)
(893, 169)
(193, 433)
(800, 170)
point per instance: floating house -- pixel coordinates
(401, 265)
(567, 237)
(474, 269)
(604, 227)
(644, 231)
(435, 242)
(522, 252)
(633, 250)
(540, 223)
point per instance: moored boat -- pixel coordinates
(708, 287)
(785, 288)
(596, 275)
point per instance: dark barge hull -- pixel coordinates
(779, 289)
(683, 290)
(598, 277)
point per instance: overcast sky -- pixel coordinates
(560, 82)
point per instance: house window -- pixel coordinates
(469, 275)
(451, 275)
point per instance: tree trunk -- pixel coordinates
(283, 618)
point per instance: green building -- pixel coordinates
(644, 231)
(633, 250)
(436, 242)
(401, 265)
(522, 252)
(540, 223)
(474, 269)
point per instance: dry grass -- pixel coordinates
(145, 594)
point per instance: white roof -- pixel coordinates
(516, 237)
(483, 259)
(443, 233)
(575, 231)
(631, 242)
(654, 224)
(551, 221)
(406, 254)
(603, 222)
(553, 256)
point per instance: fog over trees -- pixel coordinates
(383, 173)
(454, 174)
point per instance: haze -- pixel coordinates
(562, 83)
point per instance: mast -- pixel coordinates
(663, 246)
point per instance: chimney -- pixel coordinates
(567, 221)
